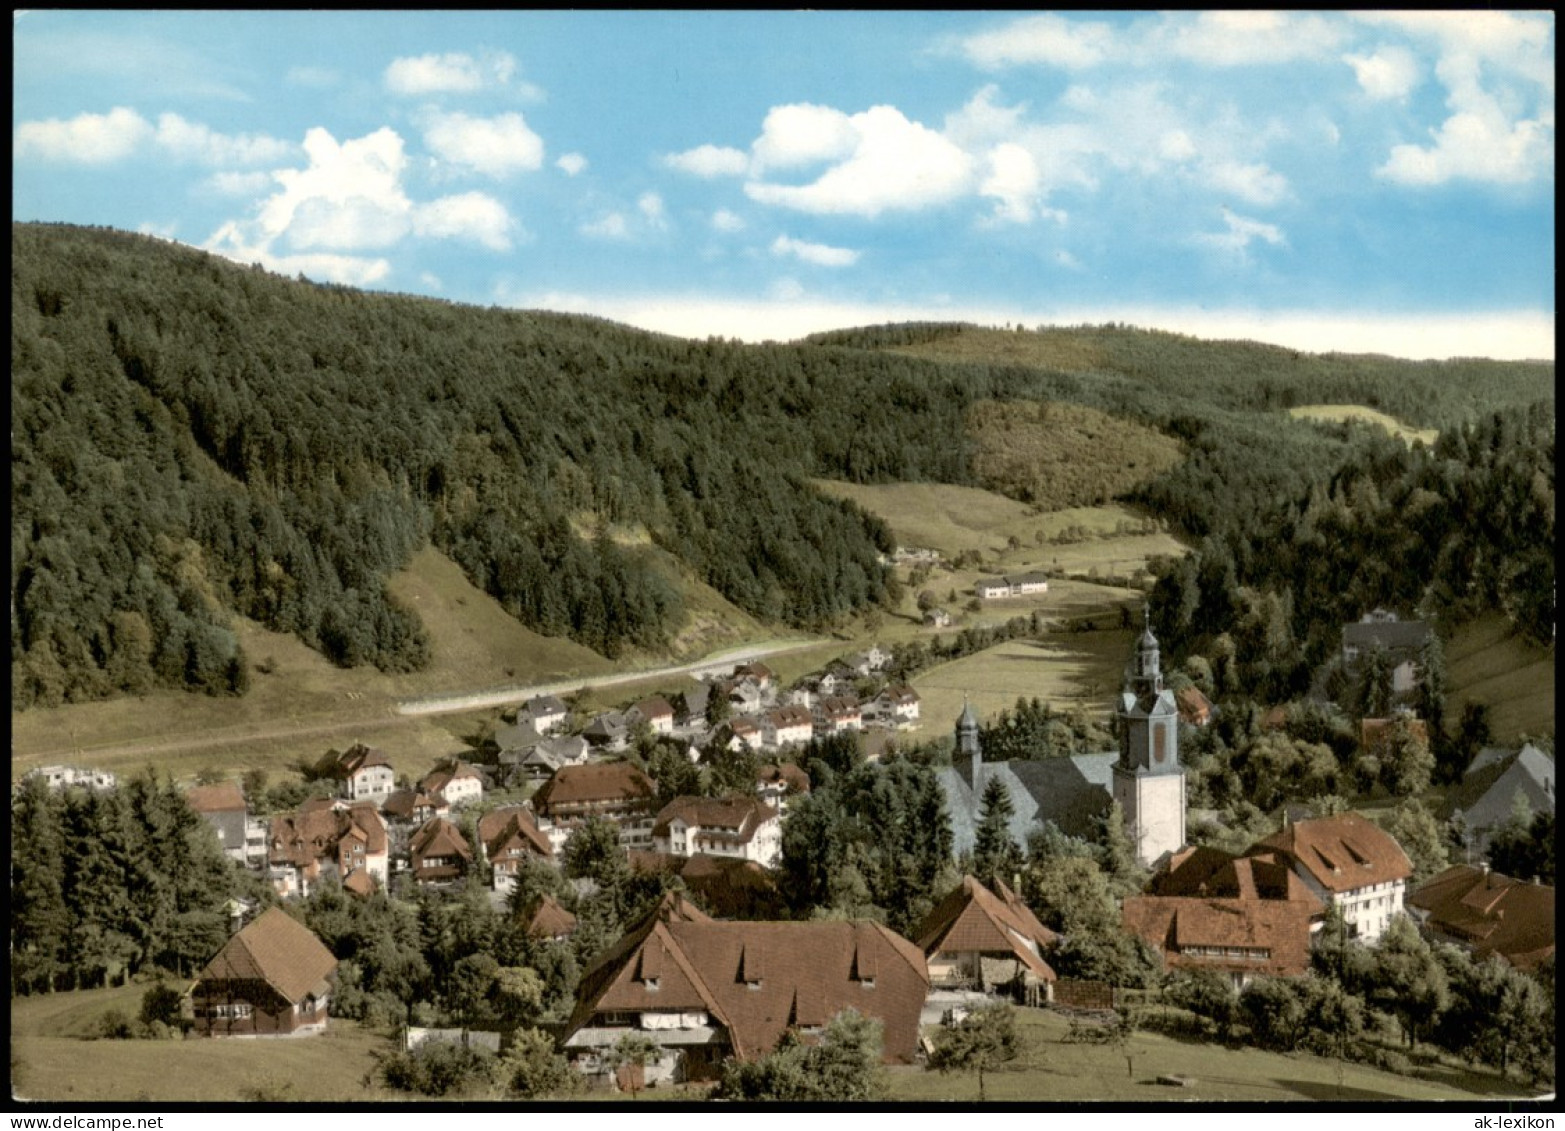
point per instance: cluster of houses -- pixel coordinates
(705, 989)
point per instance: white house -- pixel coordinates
(838, 714)
(456, 781)
(362, 773)
(545, 712)
(898, 705)
(1347, 862)
(787, 726)
(744, 828)
(1012, 585)
(656, 712)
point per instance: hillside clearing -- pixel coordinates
(1487, 663)
(1336, 413)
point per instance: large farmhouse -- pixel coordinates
(272, 979)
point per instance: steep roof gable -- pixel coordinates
(1341, 853)
(276, 949)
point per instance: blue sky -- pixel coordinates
(1329, 181)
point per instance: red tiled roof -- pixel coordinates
(1194, 707)
(1176, 924)
(594, 782)
(785, 772)
(758, 979)
(223, 797)
(313, 833)
(1210, 872)
(276, 949)
(1341, 853)
(654, 708)
(499, 828)
(548, 920)
(972, 918)
(784, 717)
(438, 837)
(1492, 913)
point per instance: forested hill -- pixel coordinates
(193, 438)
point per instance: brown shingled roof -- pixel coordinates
(734, 818)
(546, 919)
(1491, 913)
(1341, 853)
(756, 979)
(1176, 924)
(222, 797)
(972, 918)
(498, 828)
(276, 949)
(595, 781)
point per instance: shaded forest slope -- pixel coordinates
(194, 438)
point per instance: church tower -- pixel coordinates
(1149, 782)
(968, 757)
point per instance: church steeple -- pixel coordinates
(969, 757)
(1147, 675)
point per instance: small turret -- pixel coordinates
(969, 757)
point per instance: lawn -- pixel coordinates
(1065, 670)
(56, 1064)
(1053, 1070)
(1486, 663)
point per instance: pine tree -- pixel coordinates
(995, 855)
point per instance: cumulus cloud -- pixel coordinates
(725, 221)
(884, 161)
(1044, 40)
(1391, 72)
(1254, 184)
(100, 139)
(495, 147)
(710, 161)
(1013, 179)
(818, 254)
(192, 141)
(473, 216)
(1246, 38)
(1494, 66)
(571, 163)
(451, 73)
(614, 226)
(349, 200)
(88, 139)
(239, 184)
(1242, 231)
(650, 204)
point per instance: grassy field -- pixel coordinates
(1336, 413)
(1487, 664)
(51, 1062)
(1065, 670)
(57, 1065)
(1053, 1070)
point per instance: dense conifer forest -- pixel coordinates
(193, 438)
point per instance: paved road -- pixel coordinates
(404, 712)
(722, 661)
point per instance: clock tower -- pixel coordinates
(1149, 782)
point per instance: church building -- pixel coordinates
(1143, 775)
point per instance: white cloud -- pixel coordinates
(1175, 145)
(88, 139)
(1066, 259)
(891, 163)
(1255, 184)
(571, 163)
(1046, 40)
(239, 184)
(431, 280)
(726, 221)
(787, 289)
(1013, 179)
(610, 227)
(162, 231)
(650, 205)
(192, 141)
(804, 134)
(1245, 38)
(471, 216)
(232, 242)
(1391, 72)
(496, 147)
(1477, 145)
(819, 254)
(1242, 231)
(710, 161)
(452, 73)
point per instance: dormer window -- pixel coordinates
(753, 985)
(651, 985)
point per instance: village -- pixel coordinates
(711, 971)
